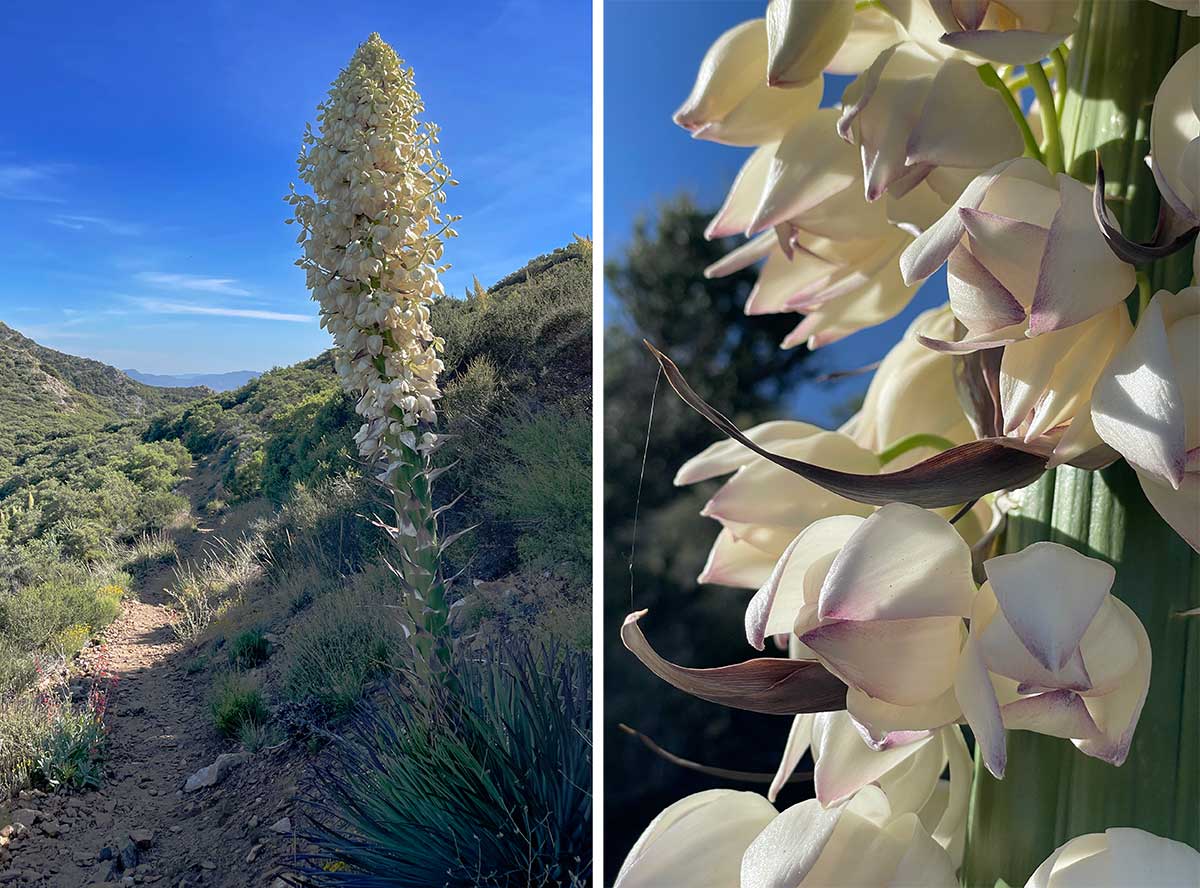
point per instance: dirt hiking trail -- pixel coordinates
(140, 826)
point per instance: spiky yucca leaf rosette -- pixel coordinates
(372, 232)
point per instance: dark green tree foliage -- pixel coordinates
(735, 363)
(480, 781)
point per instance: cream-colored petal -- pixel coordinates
(1119, 857)
(1080, 276)
(803, 37)
(923, 860)
(878, 718)
(933, 246)
(732, 103)
(1109, 648)
(1011, 47)
(787, 849)
(1179, 508)
(731, 68)
(902, 563)
(1069, 390)
(734, 562)
(737, 212)
(913, 391)
(912, 782)
(1116, 713)
(1054, 713)
(845, 763)
(1137, 405)
(871, 32)
(811, 166)
(903, 662)
(1010, 248)
(951, 829)
(798, 740)
(750, 253)
(1174, 125)
(940, 137)
(977, 297)
(1049, 594)
(774, 607)
(697, 841)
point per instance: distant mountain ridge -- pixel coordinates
(218, 382)
(45, 393)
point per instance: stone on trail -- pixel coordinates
(27, 817)
(283, 826)
(215, 773)
(143, 838)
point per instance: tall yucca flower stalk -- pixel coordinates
(372, 238)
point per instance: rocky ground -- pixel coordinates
(179, 805)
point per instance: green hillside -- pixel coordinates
(45, 393)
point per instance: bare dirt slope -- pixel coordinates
(237, 832)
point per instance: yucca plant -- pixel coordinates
(480, 781)
(372, 235)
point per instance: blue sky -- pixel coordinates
(652, 49)
(147, 147)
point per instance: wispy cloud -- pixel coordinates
(156, 307)
(29, 181)
(199, 283)
(79, 222)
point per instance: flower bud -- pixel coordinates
(731, 101)
(1118, 857)
(803, 36)
(1175, 137)
(1025, 257)
(1146, 406)
(906, 113)
(1052, 651)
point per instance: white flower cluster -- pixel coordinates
(372, 237)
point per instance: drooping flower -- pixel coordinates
(1146, 405)
(1015, 32)
(1052, 651)
(907, 766)
(803, 37)
(372, 239)
(1025, 257)
(890, 627)
(1116, 858)
(830, 254)
(911, 113)
(729, 839)
(731, 101)
(697, 841)
(1175, 136)
(861, 842)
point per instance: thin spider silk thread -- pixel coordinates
(637, 507)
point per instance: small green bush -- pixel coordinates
(235, 704)
(483, 780)
(335, 649)
(545, 488)
(249, 649)
(34, 617)
(150, 550)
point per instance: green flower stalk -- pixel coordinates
(372, 232)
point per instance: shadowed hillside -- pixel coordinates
(110, 387)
